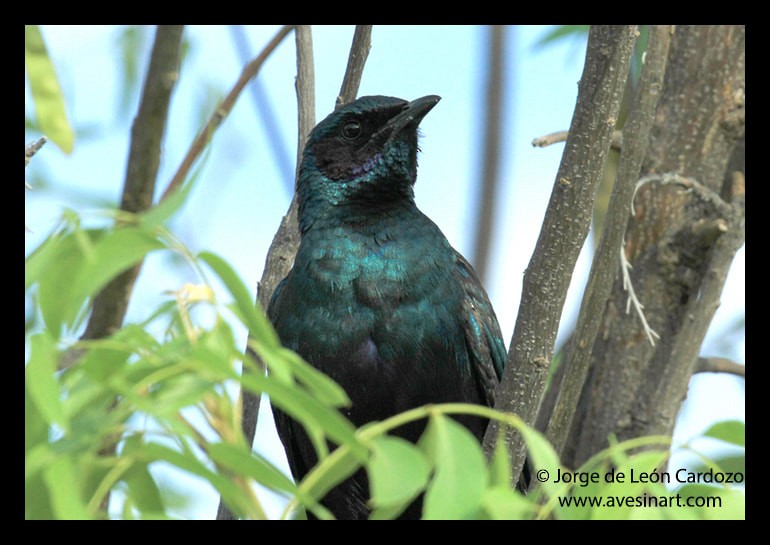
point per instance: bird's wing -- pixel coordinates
(288, 430)
(482, 331)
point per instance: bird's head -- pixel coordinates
(362, 156)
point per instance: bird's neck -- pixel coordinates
(323, 205)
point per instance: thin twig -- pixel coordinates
(223, 110)
(305, 85)
(250, 401)
(633, 300)
(720, 365)
(561, 136)
(32, 148)
(359, 51)
(549, 139)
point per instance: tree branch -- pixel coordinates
(359, 51)
(564, 231)
(32, 148)
(490, 161)
(109, 306)
(720, 365)
(280, 256)
(605, 264)
(699, 312)
(561, 136)
(305, 91)
(249, 71)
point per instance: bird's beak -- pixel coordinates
(413, 113)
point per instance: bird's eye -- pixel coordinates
(351, 130)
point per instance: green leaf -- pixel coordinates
(544, 463)
(324, 476)
(40, 261)
(50, 110)
(732, 464)
(41, 380)
(177, 392)
(251, 465)
(143, 491)
(166, 208)
(63, 487)
(79, 263)
(542, 456)
(725, 464)
(460, 477)
(318, 384)
(715, 503)
(258, 324)
(318, 419)
(562, 31)
(107, 357)
(643, 467)
(150, 452)
(499, 465)
(114, 252)
(398, 472)
(130, 43)
(37, 504)
(186, 461)
(504, 503)
(53, 266)
(35, 425)
(730, 431)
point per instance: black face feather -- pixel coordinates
(370, 133)
(351, 141)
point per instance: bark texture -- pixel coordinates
(686, 225)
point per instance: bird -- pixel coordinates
(377, 298)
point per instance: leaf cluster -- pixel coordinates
(160, 390)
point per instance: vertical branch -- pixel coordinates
(685, 348)
(490, 162)
(305, 88)
(359, 51)
(280, 255)
(605, 264)
(564, 231)
(109, 307)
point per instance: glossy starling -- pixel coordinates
(377, 298)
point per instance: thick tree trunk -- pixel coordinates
(687, 224)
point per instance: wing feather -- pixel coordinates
(482, 332)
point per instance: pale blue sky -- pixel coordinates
(241, 197)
